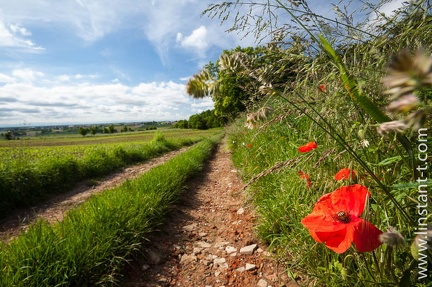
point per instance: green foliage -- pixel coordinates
(205, 120)
(181, 124)
(110, 129)
(9, 135)
(230, 100)
(83, 131)
(202, 121)
(93, 130)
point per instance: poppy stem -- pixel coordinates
(378, 266)
(389, 253)
(367, 267)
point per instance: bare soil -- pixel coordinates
(201, 244)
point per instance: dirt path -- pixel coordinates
(209, 238)
(55, 208)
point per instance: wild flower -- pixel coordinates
(249, 145)
(392, 238)
(335, 220)
(407, 72)
(253, 118)
(345, 173)
(306, 177)
(308, 147)
(266, 90)
(364, 143)
(416, 119)
(250, 121)
(322, 88)
(393, 126)
(404, 104)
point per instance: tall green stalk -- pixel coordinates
(361, 100)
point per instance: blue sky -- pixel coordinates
(96, 61)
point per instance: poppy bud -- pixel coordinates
(392, 238)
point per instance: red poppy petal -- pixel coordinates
(366, 236)
(321, 223)
(312, 145)
(304, 149)
(350, 198)
(324, 204)
(307, 147)
(345, 173)
(314, 236)
(338, 241)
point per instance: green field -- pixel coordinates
(77, 139)
(33, 169)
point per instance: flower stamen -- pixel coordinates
(342, 216)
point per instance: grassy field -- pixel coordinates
(36, 168)
(77, 139)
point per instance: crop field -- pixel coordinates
(77, 139)
(94, 240)
(32, 169)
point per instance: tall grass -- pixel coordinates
(337, 101)
(92, 243)
(28, 175)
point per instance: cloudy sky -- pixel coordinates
(96, 61)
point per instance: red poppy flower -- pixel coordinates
(307, 147)
(322, 88)
(345, 173)
(335, 220)
(249, 145)
(306, 177)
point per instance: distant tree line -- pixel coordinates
(201, 121)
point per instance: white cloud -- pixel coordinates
(19, 30)
(54, 102)
(203, 104)
(6, 78)
(389, 8)
(386, 11)
(27, 75)
(197, 40)
(11, 37)
(63, 78)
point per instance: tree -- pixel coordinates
(243, 76)
(9, 135)
(111, 129)
(93, 130)
(204, 120)
(181, 124)
(83, 131)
